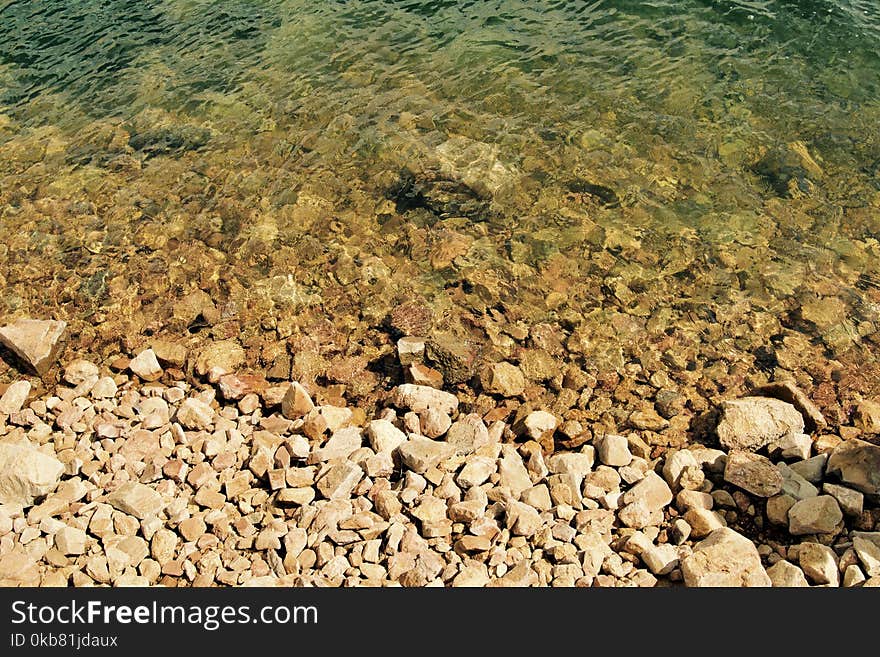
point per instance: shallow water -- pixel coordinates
(632, 172)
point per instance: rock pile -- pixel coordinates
(118, 479)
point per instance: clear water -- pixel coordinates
(629, 171)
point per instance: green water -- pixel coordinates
(630, 172)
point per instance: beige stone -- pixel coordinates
(36, 342)
(26, 473)
(724, 559)
(751, 423)
(136, 499)
(14, 398)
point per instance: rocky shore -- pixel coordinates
(177, 469)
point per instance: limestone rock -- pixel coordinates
(136, 499)
(34, 341)
(340, 445)
(725, 558)
(753, 473)
(384, 436)
(614, 451)
(538, 423)
(857, 464)
(195, 414)
(26, 473)
(814, 515)
(71, 541)
(789, 392)
(420, 454)
(146, 365)
(420, 398)
(468, 434)
(652, 491)
(795, 485)
(851, 501)
(340, 480)
(503, 379)
(223, 356)
(819, 563)
(784, 574)
(869, 554)
(296, 402)
(14, 397)
(751, 423)
(867, 416)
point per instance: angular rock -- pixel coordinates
(26, 473)
(867, 416)
(753, 473)
(434, 423)
(71, 541)
(14, 398)
(340, 445)
(726, 559)
(789, 392)
(652, 491)
(136, 499)
(536, 424)
(34, 341)
(384, 436)
(420, 454)
(468, 434)
(421, 398)
(851, 501)
(791, 446)
(751, 423)
(675, 464)
(476, 470)
(614, 451)
(503, 379)
(146, 365)
(819, 563)
(296, 402)
(814, 515)
(795, 485)
(778, 507)
(223, 356)
(340, 480)
(703, 522)
(784, 574)
(812, 469)
(857, 464)
(195, 414)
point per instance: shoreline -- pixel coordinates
(168, 467)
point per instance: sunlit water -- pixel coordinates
(625, 170)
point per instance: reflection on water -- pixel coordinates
(701, 173)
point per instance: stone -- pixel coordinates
(637, 515)
(136, 499)
(692, 499)
(512, 472)
(811, 469)
(79, 371)
(340, 480)
(195, 414)
(71, 541)
(789, 392)
(169, 353)
(703, 522)
(410, 350)
(17, 568)
(36, 342)
(192, 528)
(675, 464)
(791, 446)
(146, 365)
(434, 423)
(538, 423)
(420, 454)
(14, 398)
(652, 490)
(853, 576)
(784, 574)
(579, 464)
(819, 563)
(223, 357)
(647, 420)
(613, 451)
(751, 423)
(384, 436)
(104, 388)
(296, 402)
(341, 445)
(857, 464)
(26, 473)
(468, 434)
(679, 531)
(660, 559)
(814, 515)
(724, 559)
(503, 379)
(421, 398)
(867, 416)
(869, 554)
(537, 497)
(851, 501)
(753, 473)
(795, 485)
(522, 520)
(476, 470)
(296, 496)
(778, 507)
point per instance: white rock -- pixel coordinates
(340, 480)
(35, 341)
(751, 423)
(513, 472)
(195, 414)
(79, 371)
(522, 520)
(296, 402)
(14, 397)
(724, 559)
(146, 365)
(853, 576)
(476, 470)
(703, 522)
(468, 434)
(579, 464)
(675, 463)
(420, 454)
(340, 445)
(136, 499)
(651, 490)
(434, 423)
(792, 446)
(785, 574)
(26, 473)
(814, 515)
(661, 559)
(537, 423)
(614, 451)
(819, 563)
(384, 436)
(869, 555)
(104, 388)
(71, 541)
(420, 398)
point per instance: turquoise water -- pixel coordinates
(616, 168)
